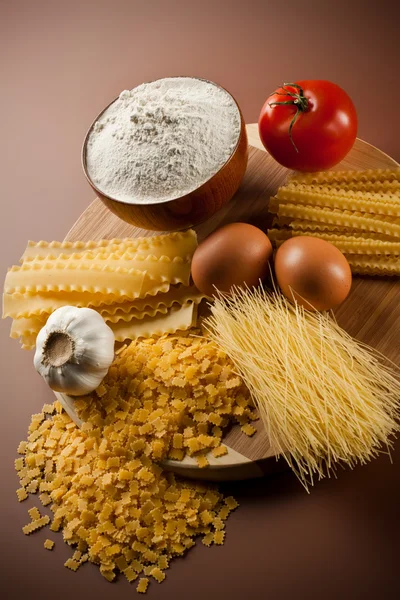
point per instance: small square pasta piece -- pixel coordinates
(224, 513)
(22, 448)
(135, 564)
(45, 499)
(130, 574)
(217, 431)
(175, 454)
(35, 472)
(202, 428)
(101, 390)
(108, 574)
(219, 451)
(82, 545)
(142, 585)
(56, 525)
(72, 564)
(40, 459)
(32, 487)
(193, 445)
(208, 539)
(49, 544)
(163, 562)
(158, 448)
(19, 463)
(34, 513)
(232, 383)
(248, 429)
(231, 503)
(22, 494)
(219, 537)
(158, 575)
(121, 563)
(218, 523)
(177, 441)
(49, 409)
(76, 555)
(202, 461)
(188, 432)
(215, 418)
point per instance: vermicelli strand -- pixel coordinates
(324, 398)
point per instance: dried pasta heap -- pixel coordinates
(357, 211)
(140, 286)
(324, 398)
(161, 398)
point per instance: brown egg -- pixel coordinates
(314, 271)
(235, 254)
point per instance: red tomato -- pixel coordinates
(309, 125)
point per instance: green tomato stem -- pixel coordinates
(299, 101)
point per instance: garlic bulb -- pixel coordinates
(74, 350)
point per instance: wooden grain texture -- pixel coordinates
(371, 313)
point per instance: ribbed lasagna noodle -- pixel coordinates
(173, 244)
(127, 281)
(348, 244)
(365, 177)
(375, 204)
(357, 220)
(374, 265)
(133, 326)
(27, 305)
(357, 211)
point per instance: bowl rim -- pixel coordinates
(162, 202)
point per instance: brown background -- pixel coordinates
(61, 62)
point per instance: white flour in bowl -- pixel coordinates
(162, 140)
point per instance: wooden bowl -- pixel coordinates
(188, 210)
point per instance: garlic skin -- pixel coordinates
(74, 350)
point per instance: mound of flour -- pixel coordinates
(162, 140)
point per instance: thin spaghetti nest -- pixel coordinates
(324, 397)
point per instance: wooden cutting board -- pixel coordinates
(371, 313)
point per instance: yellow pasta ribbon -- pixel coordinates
(348, 244)
(377, 265)
(345, 218)
(181, 243)
(366, 176)
(366, 203)
(177, 319)
(377, 187)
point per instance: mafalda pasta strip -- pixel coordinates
(27, 327)
(391, 188)
(380, 224)
(285, 233)
(367, 176)
(180, 294)
(176, 319)
(162, 269)
(311, 226)
(133, 314)
(131, 326)
(376, 204)
(75, 277)
(374, 265)
(346, 244)
(18, 305)
(181, 243)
